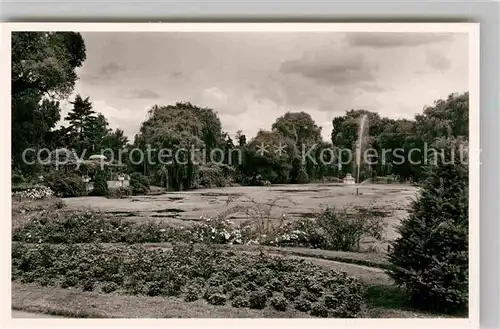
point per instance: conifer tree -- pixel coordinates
(431, 255)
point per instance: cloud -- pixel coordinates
(124, 118)
(395, 39)
(111, 68)
(104, 73)
(331, 68)
(142, 94)
(228, 101)
(320, 73)
(176, 74)
(437, 61)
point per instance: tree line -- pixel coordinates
(43, 74)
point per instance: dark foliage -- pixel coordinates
(431, 256)
(139, 183)
(65, 184)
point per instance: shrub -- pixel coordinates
(192, 293)
(279, 303)
(139, 183)
(431, 255)
(310, 296)
(344, 231)
(36, 192)
(237, 292)
(109, 287)
(331, 302)
(257, 299)
(154, 288)
(69, 281)
(240, 301)
(100, 183)
(227, 287)
(212, 290)
(217, 299)
(291, 293)
(138, 270)
(251, 286)
(302, 176)
(318, 309)
(45, 281)
(66, 184)
(173, 289)
(17, 179)
(303, 305)
(88, 285)
(276, 284)
(213, 176)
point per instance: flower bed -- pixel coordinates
(219, 277)
(84, 227)
(36, 192)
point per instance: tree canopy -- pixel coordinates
(43, 72)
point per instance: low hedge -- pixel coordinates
(220, 277)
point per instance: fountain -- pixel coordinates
(348, 179)
(359, 149)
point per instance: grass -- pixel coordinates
(23, 210)
(74, 303)
(391, 301)
(383, 302)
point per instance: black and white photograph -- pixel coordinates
(244, 171)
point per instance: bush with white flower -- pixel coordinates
(222, 231)
(37, 192)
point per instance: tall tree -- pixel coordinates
(98, 130)
(114, 141)
(43, 71)
(80, 119)
(178, 128)
(298, 126)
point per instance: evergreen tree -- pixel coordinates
(80, 120)
(431, 256)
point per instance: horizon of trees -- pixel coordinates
(43, 73)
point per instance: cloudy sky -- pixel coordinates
(252, 78)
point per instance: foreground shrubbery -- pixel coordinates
(431, 256)
(255, 281)
(331, 230)
(85, 227)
